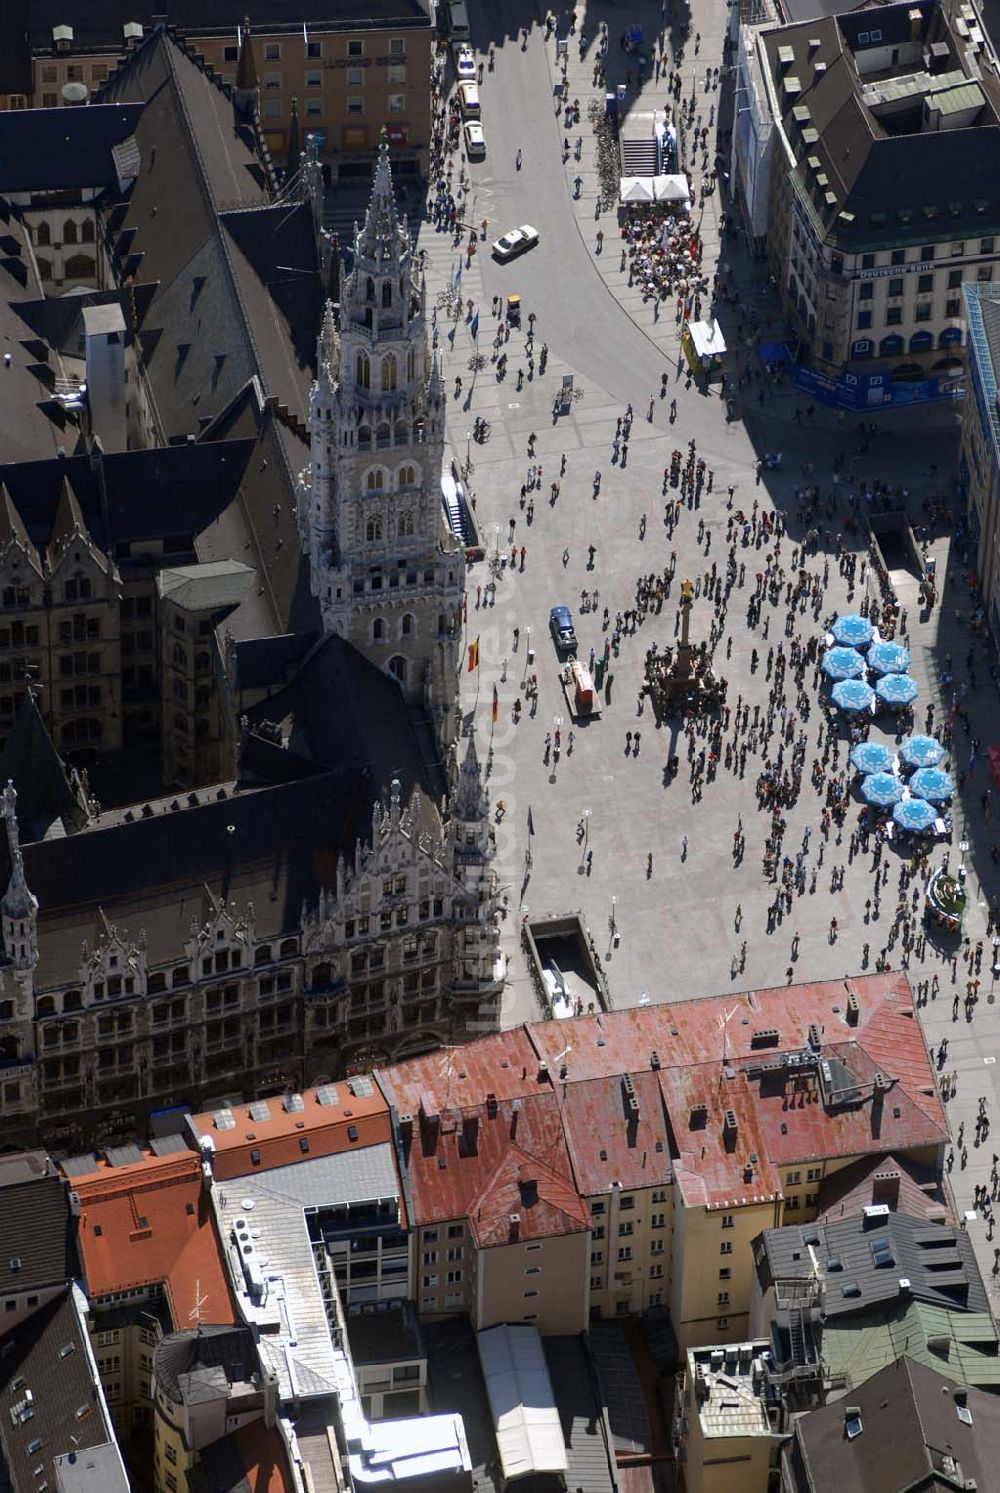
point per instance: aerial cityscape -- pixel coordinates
(499, 728)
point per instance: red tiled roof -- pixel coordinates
(686, 1051)
(150, 1224)
(277, 1139)
(471, 1163)
(608, 1145)
(265, 1463)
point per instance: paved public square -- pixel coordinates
(690, 921)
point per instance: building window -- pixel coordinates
(726, 1247)
(722, 1299)
(355, 77)
(314, 79)
(722, 1324)
(868, 261)
(597, 1257)
(927, 254)
(954, 279)
(953, 306)
(958, 249)
(272, 80)
(625, 1253)
(230, 54)
(894, 316)
(397, 103)
(355, 48)
(984, 273)
(925, 284)
(314, 49)
(726, 1273)
(727, 1221)
(867, 292)
(864, 321)
(898, 256)
(355, 106)
(814, 1173)
(273, 108)
(896, 285)
(923, 311)
(272, 51)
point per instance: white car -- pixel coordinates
(475, 141)
(465, 65)
(517, 241)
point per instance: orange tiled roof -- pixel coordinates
(150, 1223)
(352, 1122)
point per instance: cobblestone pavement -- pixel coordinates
(677, 915)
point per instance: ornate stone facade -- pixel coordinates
(386, 569)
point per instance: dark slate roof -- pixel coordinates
(15, 47)
(276, 846)
(236, 279)
(35, 1224)
(45, 789)
(34, 424)
(58, 150)
(340, 710)
(861, 1261)
(188, 1364)
(58, 320)
(269, 663)
(160, 493)
(99, 23)
(874, 1179)
(910, 1424)
(955, 172)
(66, 1409)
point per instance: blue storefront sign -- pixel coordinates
(858, 389)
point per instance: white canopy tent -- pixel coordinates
(706, 338)
(635, 189)
(525, 1418)
(672, 189)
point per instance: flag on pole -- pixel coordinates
(473, 656)
(496, 704)
(465, 608)
(475, 327)
(531, 822)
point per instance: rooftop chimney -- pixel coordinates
(885, 1188)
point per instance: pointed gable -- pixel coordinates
(68, 527)
(46, 789)
(13, 534)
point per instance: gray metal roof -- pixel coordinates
(867, 1258)
(589, 1455)
(325, 1181)
(97, 1470)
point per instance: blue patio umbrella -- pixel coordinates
(897, 689)
(852, 694)
(872, 756)
(854, 630)
(932, 783)
(882, 788)
(843, 663)
(889, 658)
(921, 751)
(915, 814)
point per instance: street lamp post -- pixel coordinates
(586, 838)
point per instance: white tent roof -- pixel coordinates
(707, 338)
(670, 189)
(635, 189)
(525, 1419)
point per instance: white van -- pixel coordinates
(468, 100)
(458, 20)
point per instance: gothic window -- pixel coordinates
(362, 371)
(43, 234)
(87, 231)
(402, 433)
(80, 267)
(388, 373)
(386, 294)
(384, 436)
(397, 668)
(364, 437)
(378, 630)
(374, 479)
(320, 976)
(373, 529)
(411, 363)
(442, 624)
(407, 476)
(404, 526)
(369, 289)
(69, 231)
(408, 625)
(46, 1006)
